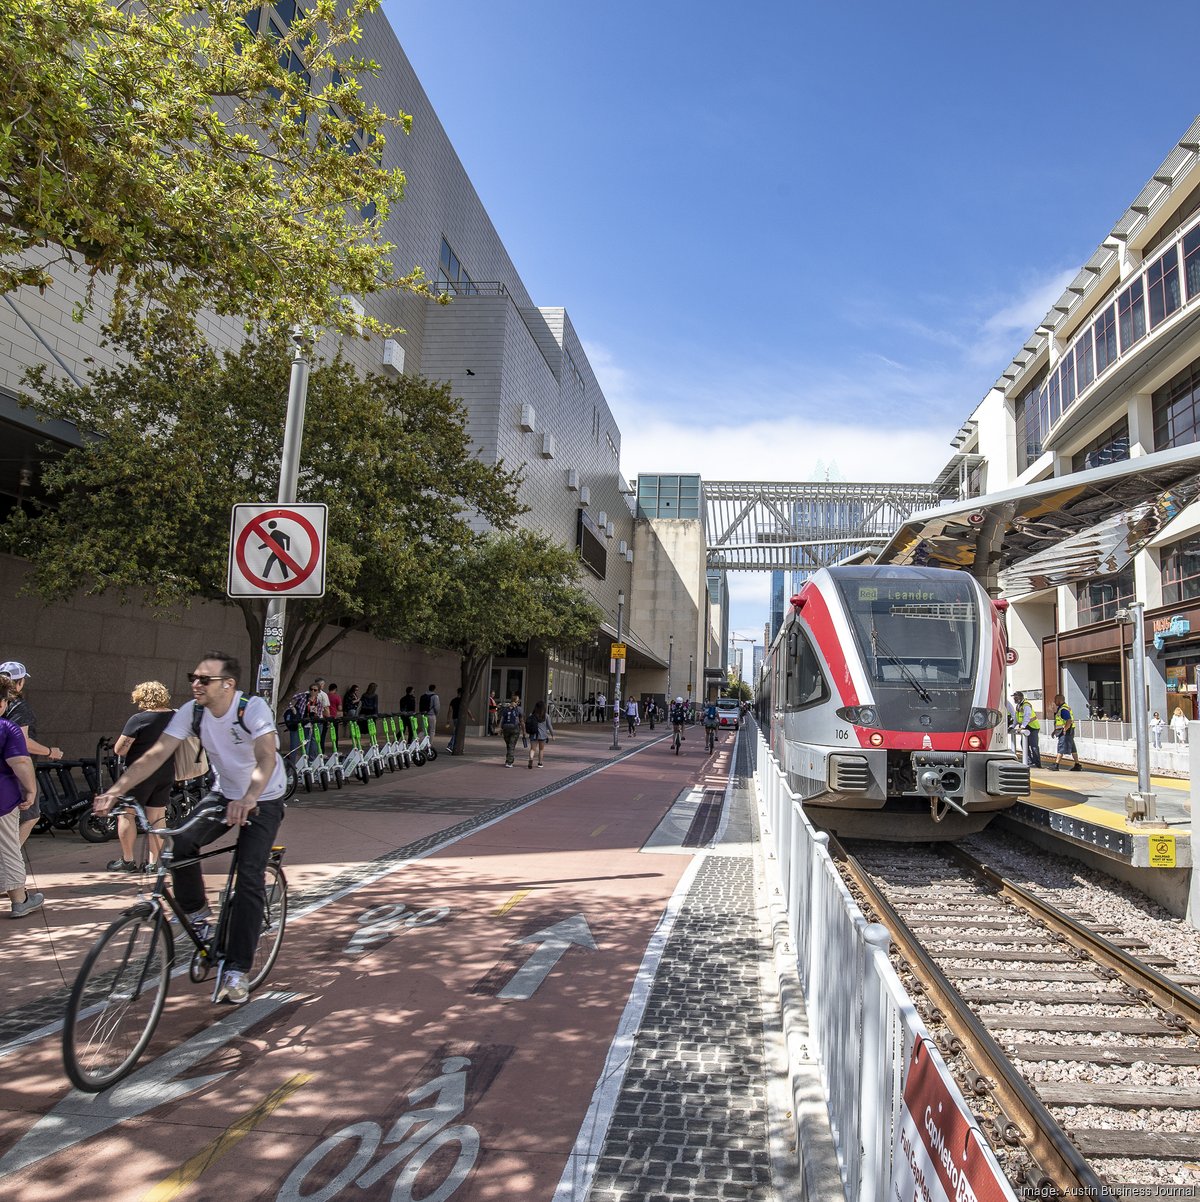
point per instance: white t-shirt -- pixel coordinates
(230, 748)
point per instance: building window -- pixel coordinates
(1066, 375)
(1131, 315)
(452, 274)
(1055, 397)
(1111, 447)
(1085, 372)
(1106, 340)
(1031, 425)
(1100, 599)
(1175, 408)
(1191, 263)
(1162, 286)
(1181, 571)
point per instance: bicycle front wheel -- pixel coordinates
(270, 938)
(116, 1000)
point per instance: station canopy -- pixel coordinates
(1056, 531)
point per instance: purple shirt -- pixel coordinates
(12, 743)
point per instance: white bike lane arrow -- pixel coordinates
(553, 942)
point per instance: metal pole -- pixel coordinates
(616, 746)
(271, 663)
(670, 656)
(1141, 733)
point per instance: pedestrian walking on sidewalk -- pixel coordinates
(601, 704)
(512, 719)
(1179, 726)
(632, 717)
(1156, 729)
(18, 791)
(20, 712)
(141, 732)
(540, 732)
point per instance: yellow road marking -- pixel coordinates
(512, 901)
(599, 829)
(187, 1174)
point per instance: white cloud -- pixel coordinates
(787, 448)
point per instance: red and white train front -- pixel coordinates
(887, 703)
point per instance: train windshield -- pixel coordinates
(917, 633)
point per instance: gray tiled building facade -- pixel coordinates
(520, 370)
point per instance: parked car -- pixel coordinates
(729, 712)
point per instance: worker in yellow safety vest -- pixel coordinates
(1028, 726)
(1064, 730)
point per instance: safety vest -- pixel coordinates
(1027, 718)
(1059, 724)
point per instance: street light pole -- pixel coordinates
(620, 663)
(271, 663)
(670, 656)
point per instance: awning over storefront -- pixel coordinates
(1056, 531)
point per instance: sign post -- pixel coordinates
(271, 661)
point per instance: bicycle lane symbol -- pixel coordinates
(412, 1141)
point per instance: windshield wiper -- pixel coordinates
(878, 644)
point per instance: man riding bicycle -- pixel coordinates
(711, 721)
(238, 733)
(678, 716)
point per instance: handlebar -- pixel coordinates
(200, 814)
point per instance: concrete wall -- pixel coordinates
(85, 656)
(669, 597)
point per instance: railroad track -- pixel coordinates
(1079, 1045)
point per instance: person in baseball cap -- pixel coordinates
(20, 712)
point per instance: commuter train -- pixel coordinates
(883, 696)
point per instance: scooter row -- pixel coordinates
(384, 743)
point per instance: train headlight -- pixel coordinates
(982, 719)
(859, 715)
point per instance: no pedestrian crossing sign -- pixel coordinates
(277, 551)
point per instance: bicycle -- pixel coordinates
(119, 994)
(710, 738)
(677, 738)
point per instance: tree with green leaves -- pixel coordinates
(182, 433)
(196, 158)
(504, 589)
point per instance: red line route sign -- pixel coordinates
(277, 551)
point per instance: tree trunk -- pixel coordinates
(470, 674)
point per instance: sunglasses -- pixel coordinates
(195, 678)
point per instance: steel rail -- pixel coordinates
(1039, 1133)
(1148, 983)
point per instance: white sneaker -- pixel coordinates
(233, 988)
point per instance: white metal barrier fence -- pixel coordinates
(863, 1021)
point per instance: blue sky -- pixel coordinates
(794, 235)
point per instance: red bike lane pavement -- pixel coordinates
(436, 1033)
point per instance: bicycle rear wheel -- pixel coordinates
(117, 999)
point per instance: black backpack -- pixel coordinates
(510, 717)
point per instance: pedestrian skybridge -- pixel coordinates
(757, 527)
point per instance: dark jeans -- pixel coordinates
(254, 847)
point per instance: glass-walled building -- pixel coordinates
(1111, 373)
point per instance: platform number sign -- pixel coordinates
(277, 551)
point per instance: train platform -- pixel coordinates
(1085, 813)
(554, 983)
